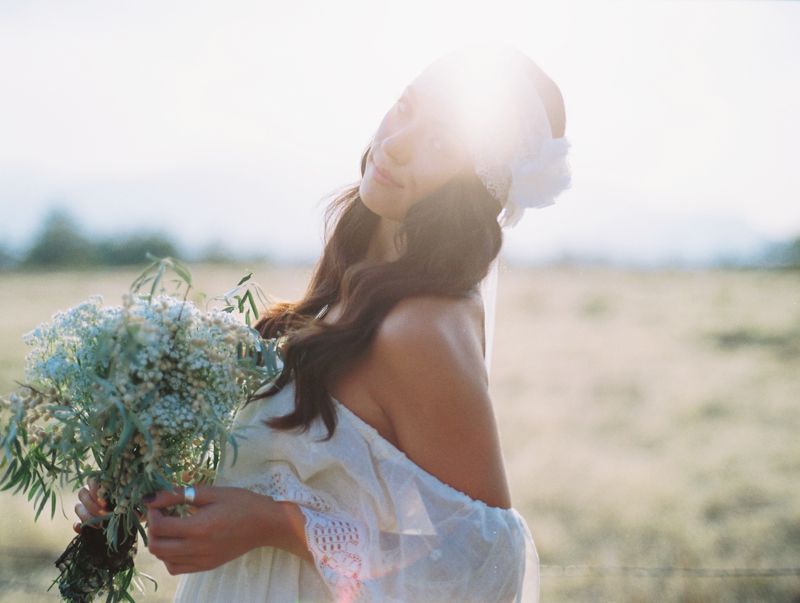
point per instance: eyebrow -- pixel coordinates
(448, 126)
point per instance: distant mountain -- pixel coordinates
(641, 237)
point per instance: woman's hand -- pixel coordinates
(92, 505)
(224, 523)
(89, 505)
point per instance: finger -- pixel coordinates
(90, 503)
(167, 526)
(101, 502)
(86, 517)
(180, 568)
(81, 511)
(78, 525)
(94, 488)
(177, 550)
(185, 568)
(168, 498)
(164, 498)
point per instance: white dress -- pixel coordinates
(380, 527)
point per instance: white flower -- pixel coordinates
(537, 179)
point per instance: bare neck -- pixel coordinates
(382, 246)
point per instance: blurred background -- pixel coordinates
(645, 370)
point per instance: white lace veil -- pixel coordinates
(509, 137)
(488, 289)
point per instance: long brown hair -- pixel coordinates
(451, 237)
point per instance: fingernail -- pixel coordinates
(149, 497)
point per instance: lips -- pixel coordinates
(385, 173)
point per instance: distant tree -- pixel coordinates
(59, 243)
(7, 259)
(793, 253)
(783, 253)
(216, 253)
(133, 249)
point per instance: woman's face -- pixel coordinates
(417, 146)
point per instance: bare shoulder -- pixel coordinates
(413, 321)
(429, 376)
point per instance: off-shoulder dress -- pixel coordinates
(380, 528)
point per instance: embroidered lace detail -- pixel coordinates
(337, 546)
(282, 484)
(335, 542)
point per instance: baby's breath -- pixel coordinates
(135, 396)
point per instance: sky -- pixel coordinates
(233, 122)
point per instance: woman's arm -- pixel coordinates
(226, 523)
(282, 525)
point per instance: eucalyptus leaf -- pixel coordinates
(115, 382)
(42, 505)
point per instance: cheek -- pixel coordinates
(429, 177)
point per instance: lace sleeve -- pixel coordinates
(477, 554)
(421, 542)
(338, 545)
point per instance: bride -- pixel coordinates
(372, 469)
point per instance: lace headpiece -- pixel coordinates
(506, 129)
(509, 138)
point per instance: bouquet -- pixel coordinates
(138, 397)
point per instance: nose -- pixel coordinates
(398, 145)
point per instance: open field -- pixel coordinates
(648, 419)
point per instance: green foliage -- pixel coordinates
(785, 254)
(7, 258)
(89, 417)
(60, 243)
(784, 343)
(133, 249)
(215, 253)
(154, 274)
(241, 298)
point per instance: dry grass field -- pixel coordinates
(648, 420)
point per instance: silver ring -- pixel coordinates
(188, 495)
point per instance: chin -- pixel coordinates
(378, 204)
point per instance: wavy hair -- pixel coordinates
(451, 237)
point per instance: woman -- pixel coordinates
(372, 469)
